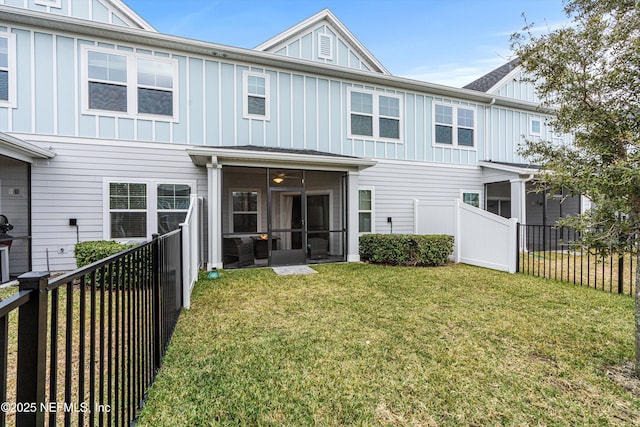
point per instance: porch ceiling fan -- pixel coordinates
(279, 176)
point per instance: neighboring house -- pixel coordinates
(297, 147)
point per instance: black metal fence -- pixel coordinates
(85, 347)
(549, 251)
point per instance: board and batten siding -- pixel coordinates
(398, 184)
(514, 86)
(307, 111)
(93, 10)
(71, 186)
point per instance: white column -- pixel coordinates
(214, 218)
(518, 200)
(353, 183)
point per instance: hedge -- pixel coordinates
(406, 249)
(92, 251)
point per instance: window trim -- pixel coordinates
(12, 69)
(531, 131)
(50, 3)
(258, 212)
(152, 203)
(245, 95)
(455, 126)
(372, 211)
(376, 116)
(131, 85)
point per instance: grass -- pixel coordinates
(369, 345)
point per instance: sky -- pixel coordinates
(449, 42)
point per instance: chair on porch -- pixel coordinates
(237, 250)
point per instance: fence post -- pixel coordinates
(32, 349)
(157, 330)
(620, 273)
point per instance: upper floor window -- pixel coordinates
(535, 127)
(256, 95)
(454, 125)
(7, 70)
(123, 83)
(375, 115)
(51, 3)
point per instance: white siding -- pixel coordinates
(71, 186)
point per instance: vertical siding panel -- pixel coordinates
(65, 100)
(180, 129)
(294, 49)
(227, 101)
(343, 54)
(409, 132)
(256, 132)
(145, 130)
(307, 46)
(107, 127)
(22, 115)
(298, 111)
(311, 114)
(44, 84)
(242, 124)
(162, 131)
(86, 123)
(211, 102)
(270, 130)
(196, 102)
(336, 134)
(126, 129)
(16, 3)
(286, 114)
(420, 129)
(323, 117)
(100, 11)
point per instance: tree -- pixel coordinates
(588, 74)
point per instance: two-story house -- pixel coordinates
(297, 146)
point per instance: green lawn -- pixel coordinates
(368, 345)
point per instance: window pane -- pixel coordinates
(389, 106)
(389, 128)
(4, 52)
(465, 137)
(361, 125)
(128, 225)
(364, 202)
(244, 201)
(155, 73)
(4, 85)
(362, 102)
(535, 126)
(465, 117)
(169, 221)
(472, 199)
(103, 96)
(127, 196)
(257, 106)
(173, 196)
(245, 223)
(444, 134)
(256, 85)
(105, 66)
(364, 222)
(444, 114)
(151, 101)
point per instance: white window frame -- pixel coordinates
(376, 116)
(479, 193)
(320, 44)
(50, 3)
(246, 94)
(131, 85)
(152, 203)
(372, 211)
(455, 126)
(258, 212)
(12, 70)
(531, 121)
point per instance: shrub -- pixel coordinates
(406, 249)
(90, 252)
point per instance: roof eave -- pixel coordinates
(23, 150)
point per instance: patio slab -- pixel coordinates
(293, 269)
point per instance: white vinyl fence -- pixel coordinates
(190, 249)
(481, 238)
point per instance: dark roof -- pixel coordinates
(285, 151)
(489, 80)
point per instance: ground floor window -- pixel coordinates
(365, 210)
(137, 209)
(245, 208)
(471, 198)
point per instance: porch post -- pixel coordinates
(518, 200)
(214, 180)
(353, 183)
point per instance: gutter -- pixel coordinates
(75, 26)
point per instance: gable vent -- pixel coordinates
(325, 46)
